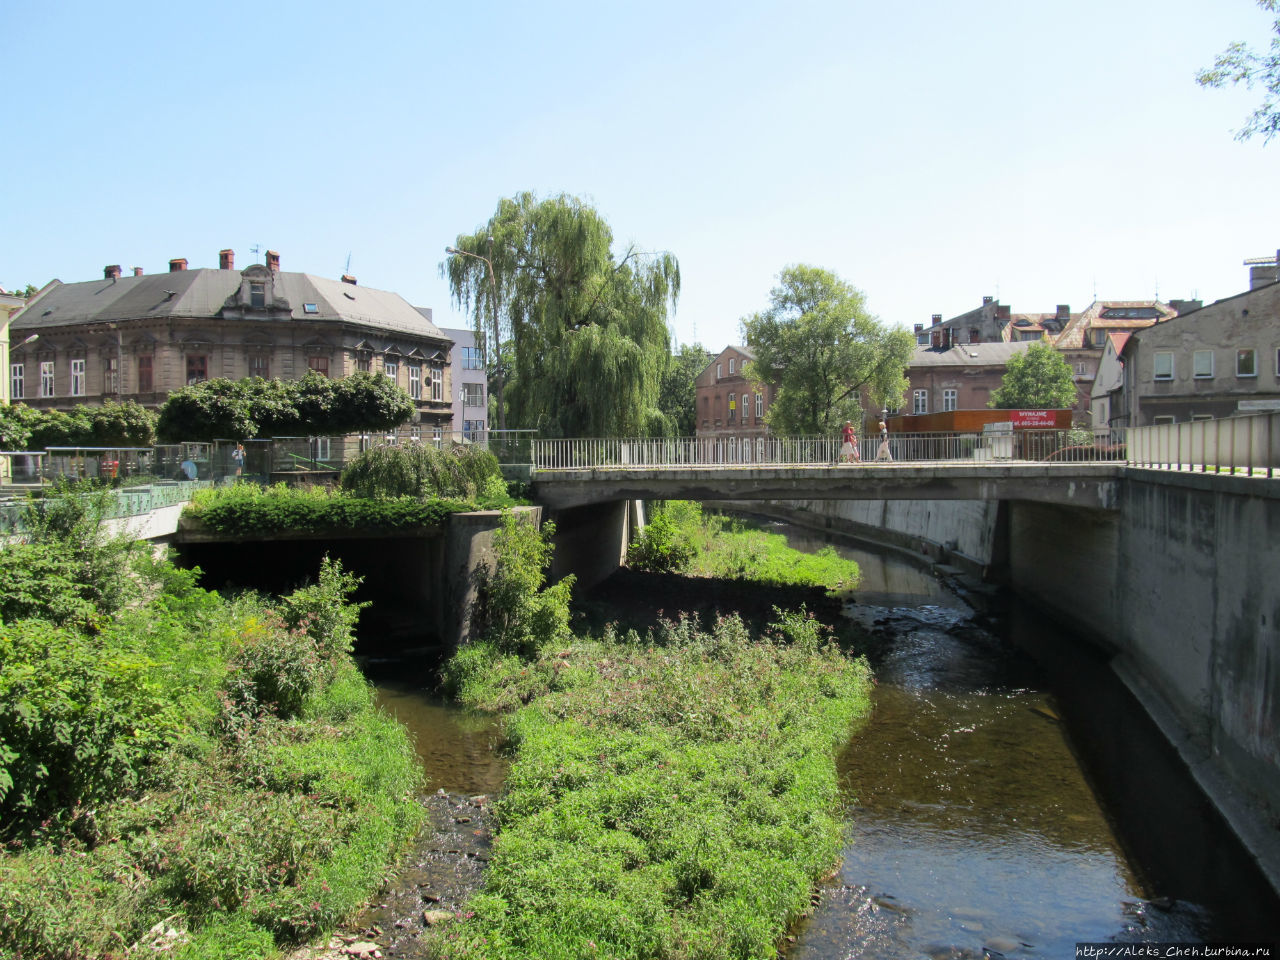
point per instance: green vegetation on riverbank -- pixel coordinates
(203, 775)
(681, 538)
(671, 796)
(385, 488)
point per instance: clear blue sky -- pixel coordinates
(928, 152)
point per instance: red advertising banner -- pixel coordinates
(1033, 418)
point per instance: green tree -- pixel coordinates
(821, 346)
(588, 330)
(677, 395)
(127, 424)
(1239, 63)
(16, 423)
(1040, 378)
(314, 405)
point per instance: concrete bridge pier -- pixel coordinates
(591, 541)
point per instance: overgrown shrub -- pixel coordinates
(514, 610)
(662, 547)
(247, 509)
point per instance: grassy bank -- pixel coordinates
(180, 770)
(681, 538)
(671, 796)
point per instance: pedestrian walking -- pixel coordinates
(849, 444)
(882, 453)
(237, 456)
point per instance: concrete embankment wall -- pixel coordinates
(962, 532)
(1183, 584)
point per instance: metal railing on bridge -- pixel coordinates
(942, 447)
(1248, 445)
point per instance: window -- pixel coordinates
(391, 368)
(111, 375)
(920, 401)
(1202, 364)
(145, 383)
(322, 447)
(319, 364)
(257, 294)
(1099, 338)
(437, 434)
(472, 358)
(1201, 416)
(310, 308)
(1164, 366)
(950, 396)
(260, 366)
(1247, 363)
(77, 378)
(197, 369)
(732, 361)
(473, 394)
(415, 381)
(719, 370)
(1162, 419)
(415, 433)
(733, 407)
(472, 429)
(436, 373)
(17, 381)
(975, 335)
(46, 378)
(392, 437)
(759, 405)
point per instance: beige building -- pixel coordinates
(142, 336)
(1219, 361)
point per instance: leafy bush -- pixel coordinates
(513, 610)
(246, 508)
(662, 547)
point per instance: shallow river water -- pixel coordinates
(975, 825)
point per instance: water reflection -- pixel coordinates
(458, 749)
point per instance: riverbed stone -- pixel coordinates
(435, 917)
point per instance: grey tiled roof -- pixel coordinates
(201, 293)
(969, 355)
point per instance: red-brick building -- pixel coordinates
(729, 405)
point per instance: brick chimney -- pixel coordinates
(111, 273)
(1002, 311)
(226, 259)
(1064, 312)
(137, 271)
(919, 329)
(936, 318)
(348, 278)
(273, 261)
(177, 265)
(986, 301)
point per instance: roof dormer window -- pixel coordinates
(257, 294)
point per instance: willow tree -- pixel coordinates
(824, 350)
(587, 331)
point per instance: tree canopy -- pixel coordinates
(677, 395)
(1040, 378)
(126, 424)
(312, 406)
(821, 346)
(1239, 63)
(587, 330)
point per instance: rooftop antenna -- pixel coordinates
(255, 250)
(1157, 288)
(347, 271)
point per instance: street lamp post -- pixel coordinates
(493, 352)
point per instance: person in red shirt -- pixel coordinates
(849, 444)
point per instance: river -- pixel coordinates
(988, 808)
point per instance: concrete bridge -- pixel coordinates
(1086, 485)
